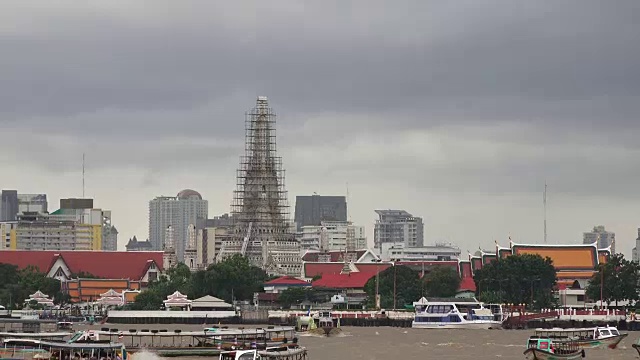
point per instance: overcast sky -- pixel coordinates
(456, 111)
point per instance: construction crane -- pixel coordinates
(245, 242)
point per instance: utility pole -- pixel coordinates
(601, 285)
(394, 285)
(378, 285)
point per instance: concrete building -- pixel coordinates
(400, 252)
(333, 235)
(312, 210)
(35, 231)
(32, 203)
(398, 226)
(13, 204)
(210, 235)
(603, 238)
(9, 205)
(64, 229)
(85, 213)
(178, 212)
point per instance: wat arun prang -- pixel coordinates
(262, 229)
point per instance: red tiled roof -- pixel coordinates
(372, 267)
(354, 280)
(335, 256)
(105, 264)
(312, 269)
(288, 281)
(467, 284)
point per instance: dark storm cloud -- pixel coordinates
(420, 64)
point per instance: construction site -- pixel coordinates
(262, 229)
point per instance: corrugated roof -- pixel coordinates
(288, 281)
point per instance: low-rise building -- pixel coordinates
(401, 252)
(332, 235)
(91, 273)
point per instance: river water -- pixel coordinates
(385, 343)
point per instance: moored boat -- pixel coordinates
(454, 314)
(543, 348)
(586, 338)
(285, 352)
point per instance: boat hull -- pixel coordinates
(537, 354)
(637, 347)
(610, 342)
(485, 325)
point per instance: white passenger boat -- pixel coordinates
(586, 338)
(454, 314)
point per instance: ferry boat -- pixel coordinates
(454, 314)
(62, 350)
(587, 338)
(543, 348)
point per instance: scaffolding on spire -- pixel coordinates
(262, 227)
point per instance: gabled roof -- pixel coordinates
(287, 281)
(335, 256)
(131, 265)
(565, 257)
(209, 301)
(354, 280)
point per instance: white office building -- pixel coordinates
(400, 252)
(333, 236)
(178, 212)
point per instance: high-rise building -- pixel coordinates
(85, 213)
(262, 227)
(9, 208)
(311, 210)
(603, 238)
(178, 212)
(135, 245)
(333, 236)
(32, 203)
(398, 226)
(68, 228)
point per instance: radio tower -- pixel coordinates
(262, 228)
(544, 203)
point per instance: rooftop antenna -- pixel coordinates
(83, 175)
(544, 203)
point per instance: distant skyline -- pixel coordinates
(457, 112)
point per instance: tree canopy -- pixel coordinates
(233, 278)
(442, 281)
(408, 287)
(517, 279)
(17, 285)
(621, 278)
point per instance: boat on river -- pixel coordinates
(208, 342)
(454, 314)
(543, 348)
(285, 352)
(586, 338)
(56, 350)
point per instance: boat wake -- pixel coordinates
(505, 345)
(145, 355)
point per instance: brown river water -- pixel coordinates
(385, 343)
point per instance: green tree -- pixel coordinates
(518, 279)
(621, 278)
(292, 295)
(407, 285)
(442, 282)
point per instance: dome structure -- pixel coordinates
(189, 194)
